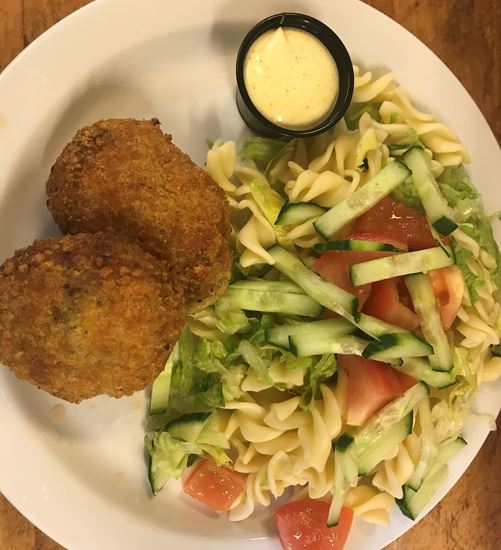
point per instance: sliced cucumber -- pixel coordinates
(425, 305)
(397, 346)
(306, 346)
(354, 244)
(329, 295)
(285, 287)
(392, 413)
(428, 445)
(421, 369)
(188, 427)
(372, 454)
(445, 452)
(340, 490)
(420, 261)
(272, 302)
(326, 328)
(297, 213)
(414, 501)
(160, 389)
(364, 198)
(375, 327)
(434, 203)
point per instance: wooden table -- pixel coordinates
(465, 34)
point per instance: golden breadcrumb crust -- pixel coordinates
(86, 315)
(127, 176)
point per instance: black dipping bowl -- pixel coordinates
(252, 117)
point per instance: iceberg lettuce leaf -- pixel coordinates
(320, 371)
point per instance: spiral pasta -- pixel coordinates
(280, 445)
(370, 505)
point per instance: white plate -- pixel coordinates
(82, 480)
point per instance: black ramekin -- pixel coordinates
(259, 123)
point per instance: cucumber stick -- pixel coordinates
(376, 426)
(298, 213)
(362, 199)
(395, 346)
(287, 303)
(355, 244)
(375, 327)
(400, 264)
(267, 286)
(369, 457)
(329, 295)
(437, 210)
(326, 328)
(428, 445)
(425, 305)
(421, 369)
(306, 346)
(413, 502)
(160, 389)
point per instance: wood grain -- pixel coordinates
(465, 35)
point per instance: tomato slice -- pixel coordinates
(385, 304)
(402, 222)
(448, 287)
(215, 486)
(405, 380)
(371, 386)
(303, 524)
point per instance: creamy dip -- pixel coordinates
(291, 78)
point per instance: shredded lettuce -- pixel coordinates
(320, 371)
(169, 458)
(472, 282)
(468, 209)
(256, 357)
(448, 414)
(268, 200)
(230, 320)
(406, 193)
(262, 150)
(356, 110)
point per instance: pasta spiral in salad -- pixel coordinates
(363, 312)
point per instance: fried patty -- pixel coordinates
(127, 176)
(86, 315)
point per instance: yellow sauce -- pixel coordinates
(291, 78)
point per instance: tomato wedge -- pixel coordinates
(448, 287)
(405, 380)
(385, 304)
(371, 386)
(215, 486)
(303, 524)
(402, 222)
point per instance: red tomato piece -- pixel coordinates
(215, 486)
(448, 287)
(334, 266)
(402, 222)
(384, 303)
(405, 380)
(371, 386)
(303, 524)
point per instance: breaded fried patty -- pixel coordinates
(86, 315)
(127, 176)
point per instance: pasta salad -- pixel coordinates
(337, 370)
